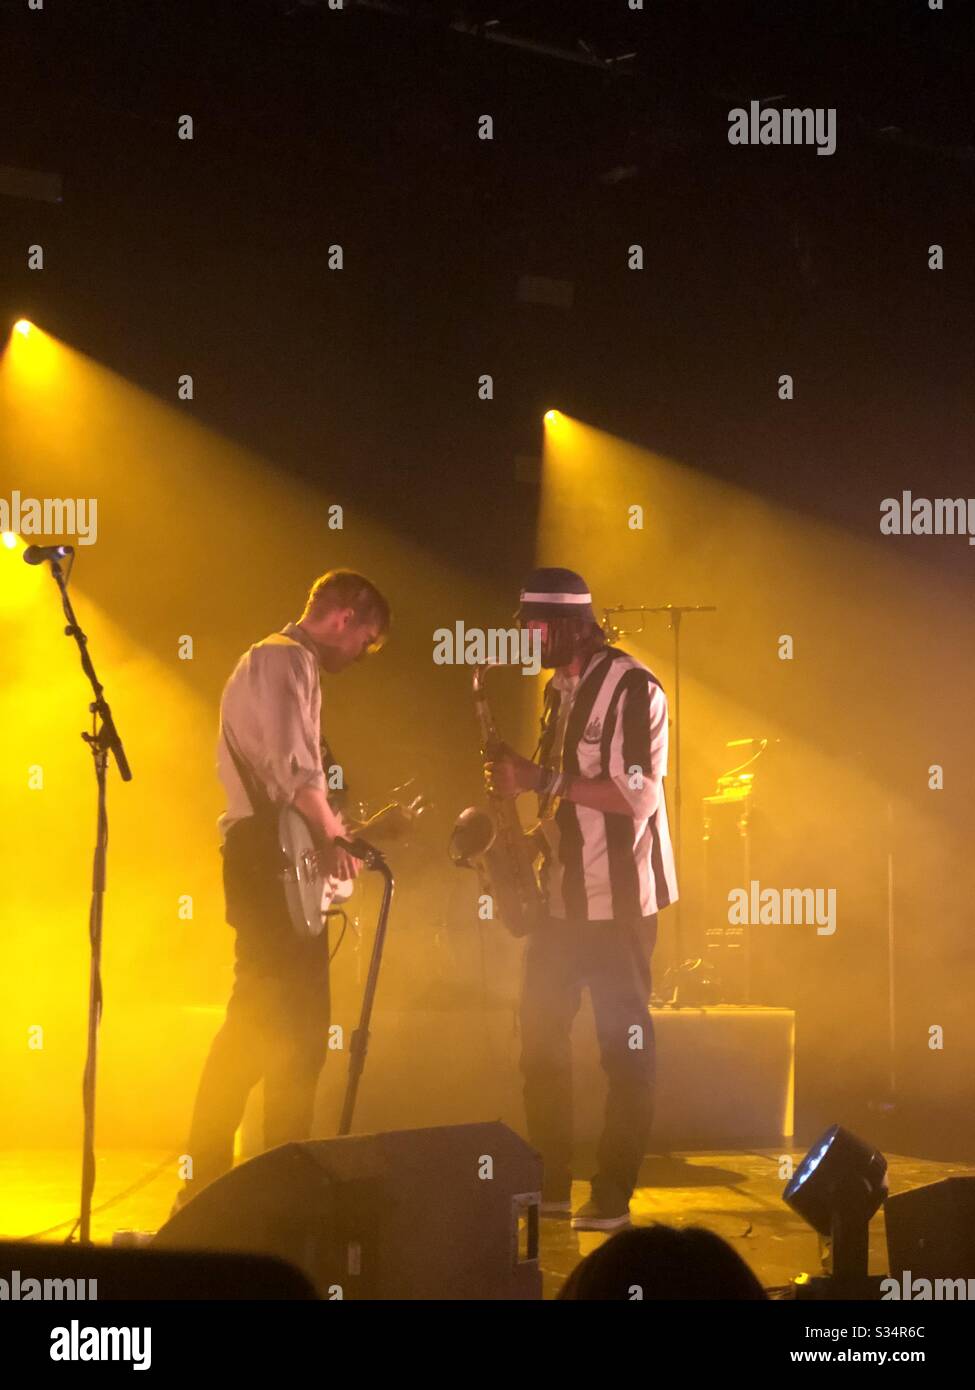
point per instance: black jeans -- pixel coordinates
(277, 1020)
(613, 960)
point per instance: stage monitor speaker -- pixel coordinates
(931, 1230)
(92, 1273)
(444, 1213)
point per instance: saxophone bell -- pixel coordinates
(472, 835)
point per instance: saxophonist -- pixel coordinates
(608, 870)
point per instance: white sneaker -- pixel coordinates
(593, 1217)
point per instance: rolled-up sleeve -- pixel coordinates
(287, 702)
(638, 749)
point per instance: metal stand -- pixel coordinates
(359, 1043)
(891, 1003)
(103, 739)
(886, 1104)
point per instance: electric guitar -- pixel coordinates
(309, 891)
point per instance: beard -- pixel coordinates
(564, 640)
(554, 656)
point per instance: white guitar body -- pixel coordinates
(305, 886)
(336, 891)
(309, 892)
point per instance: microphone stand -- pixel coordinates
(675, 612)
(359, 1043)
(103, 739)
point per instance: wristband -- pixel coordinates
(546, 778)
(555, 783)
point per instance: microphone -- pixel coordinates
(37, 554)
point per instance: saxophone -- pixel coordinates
(507, 861)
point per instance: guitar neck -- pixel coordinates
(375, 822)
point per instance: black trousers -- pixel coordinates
(613, 960)
(276, 1027)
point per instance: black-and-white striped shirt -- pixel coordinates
(604, 866)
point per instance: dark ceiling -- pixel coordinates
(314, 127)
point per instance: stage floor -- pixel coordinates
(736, 1195)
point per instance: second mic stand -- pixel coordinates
(359, 1043)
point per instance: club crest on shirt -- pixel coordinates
(594, 731)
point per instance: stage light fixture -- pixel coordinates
(9, 539)
(551, 416)
(837, 1188)
(23, 326)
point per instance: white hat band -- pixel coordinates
(556, 598)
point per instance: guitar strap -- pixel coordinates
(261, 803)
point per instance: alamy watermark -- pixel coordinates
(50, 516)
(18, 1290)
(757, 906)
(925, 1290)
(77, 1343)
(492, 646)
(925, 516)
(791, 126)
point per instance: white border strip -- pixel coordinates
(556, 598)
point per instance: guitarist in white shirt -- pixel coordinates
(269, 756)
